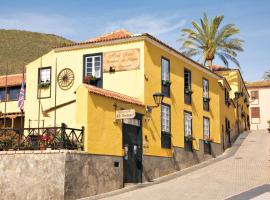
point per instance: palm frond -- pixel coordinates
(215, 25)
(209, 40)
(191, 52)
(233, 59)
(266, 75)
(223, 58)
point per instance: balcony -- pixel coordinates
(42, 138)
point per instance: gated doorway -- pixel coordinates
(132, 143)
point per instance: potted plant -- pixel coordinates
(208, 140)
(268, 126)
(189, 138)
(228, 102)
(188, 91)
(79, 146)
(166, 82)
(90, 79)
(206, 99)
(44, 85)
(46, 141)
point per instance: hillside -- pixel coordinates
(21, 47)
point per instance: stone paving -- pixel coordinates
(249, 167)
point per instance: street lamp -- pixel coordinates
(158, 98)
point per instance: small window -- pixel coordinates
(188, 131)
(93, 70)
(227, 97)
(254, 95)
(228, 126)
(165, 118)
(14, 93)
(93, 66)
(188, 124)
(187, 77)
(205, 88)
(165, 76)
(45, 75)
(206, 98)
(187, 86)
(206, 128)
(2, 94)
(165, 126)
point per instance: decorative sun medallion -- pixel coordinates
(65, 79)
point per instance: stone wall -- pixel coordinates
(88, 175)
(32, 175)
(216, 149)
(155, 166)
(57, 175)
(36, 175)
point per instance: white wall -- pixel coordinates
(264, 104)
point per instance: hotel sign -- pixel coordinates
(125, 114)
(121, 60)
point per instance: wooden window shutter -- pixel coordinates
(255, 112)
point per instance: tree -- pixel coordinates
(209, 39)
(266, 75)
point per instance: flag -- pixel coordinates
(21, 97)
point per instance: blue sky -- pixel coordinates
(79, 20)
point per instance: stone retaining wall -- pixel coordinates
(57, 175)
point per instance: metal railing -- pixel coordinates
(42, 138)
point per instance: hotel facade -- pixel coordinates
(92, 83)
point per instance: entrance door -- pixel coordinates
(132, 142)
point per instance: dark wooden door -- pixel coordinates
(132, 142)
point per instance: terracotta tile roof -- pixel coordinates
(118, 34)
(109, 40)
(218, 68)
(258, 84)
(12, 80)
(113, 95)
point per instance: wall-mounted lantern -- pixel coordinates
(158, 98)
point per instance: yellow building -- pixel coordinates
(240, 96)
(190, 125)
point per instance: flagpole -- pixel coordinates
(55, 86)
(39, 93)
(5, 97)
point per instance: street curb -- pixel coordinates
(228, 153)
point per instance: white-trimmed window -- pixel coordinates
(187, 79)
(205, 88)
(165, 118)
(188, 123)
(206, 128)
(165, 67)
(93, 66)
(45, 75)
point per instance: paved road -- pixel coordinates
(247, 168)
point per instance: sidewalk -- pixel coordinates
(241, 167)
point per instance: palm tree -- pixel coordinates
(266, 75)
(209, 40)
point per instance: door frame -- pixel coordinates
(138, 116)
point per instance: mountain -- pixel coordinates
(18, 48)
